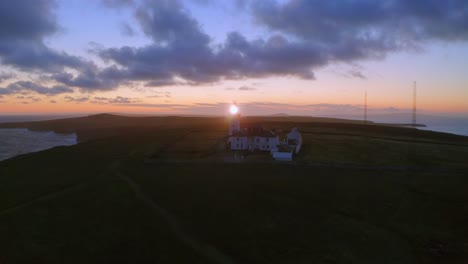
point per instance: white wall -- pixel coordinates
(295, 135)
(264, 143)
(239, 143)
(254, 143)
(286, 156)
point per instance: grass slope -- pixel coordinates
(357, 194)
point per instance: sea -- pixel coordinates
(452, 125)
(17, 141)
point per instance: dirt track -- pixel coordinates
(208, 251)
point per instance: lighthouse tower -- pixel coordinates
(234, 120)
(234, 124)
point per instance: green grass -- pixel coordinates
(380, 152)
(288, 215)
(100, 221)
(374, 197)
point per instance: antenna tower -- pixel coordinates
(365, 107)
(414, 104)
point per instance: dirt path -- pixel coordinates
(206, 250)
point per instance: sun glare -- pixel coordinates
(233, 109)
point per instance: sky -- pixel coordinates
(191, 57)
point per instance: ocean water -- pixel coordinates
(17, 141)
(452, 125)
(28, 118)
(452, 128)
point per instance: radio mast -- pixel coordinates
(414, 103)
(365, 107)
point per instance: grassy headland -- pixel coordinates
(356, 194)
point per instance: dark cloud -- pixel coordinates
(310, 35)
(6, 76)
(160, 94)
(123, 100)
(305, 35)
(149, 105)
(26, 87)
(76, 99)
(33, 99)
(204, 2)
(89, 79)
(23, 27)
(199, 63)
(160, 83)
(181, 50)
(224, 5)
(116, 100)
(356, 74)
(246, 88)
(334, 108)
(391, 23)
(26, 20)
(127, 30)
(99, 100)
(117, 3)
(241, 4)
(35, 55)
(167, 22)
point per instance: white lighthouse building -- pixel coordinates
(252, 138)
(261, 139)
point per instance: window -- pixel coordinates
(268, 139)
(258, 140)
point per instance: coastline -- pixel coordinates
(19, 141)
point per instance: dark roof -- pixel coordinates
(254, 132)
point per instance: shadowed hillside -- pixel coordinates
(355, 194)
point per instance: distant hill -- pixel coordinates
(279, 114)
(105, 125)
